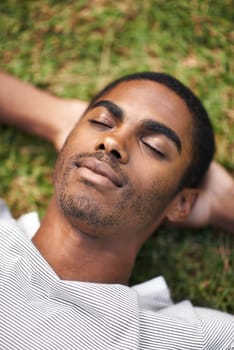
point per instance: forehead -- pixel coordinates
(145, 99)
(153, 97)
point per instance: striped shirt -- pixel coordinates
(42, 312)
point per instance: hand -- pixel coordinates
(215, 203)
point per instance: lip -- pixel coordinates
(100, 168)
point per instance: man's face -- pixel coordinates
(122, 163)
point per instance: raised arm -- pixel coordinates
(35, 111)
(215, 204)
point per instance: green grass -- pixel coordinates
(72, 48)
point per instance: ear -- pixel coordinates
(182, 205)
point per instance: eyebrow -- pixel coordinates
(115, 110)
(148, 125)
(159, 128)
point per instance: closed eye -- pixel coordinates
(101, 124)
(154, 150)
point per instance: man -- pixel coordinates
(113, 187)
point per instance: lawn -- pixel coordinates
(72, 48)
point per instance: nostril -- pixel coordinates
(116, 154)
(109, 149)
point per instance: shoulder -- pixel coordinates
(9, 229)
(182, 326)
(217, 328)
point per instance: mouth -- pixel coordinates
(100, 168)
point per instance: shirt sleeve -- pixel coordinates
(185, 327)
(217, 328)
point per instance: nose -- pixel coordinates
(115, 146)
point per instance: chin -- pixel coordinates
(83, 211)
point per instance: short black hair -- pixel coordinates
(203, 144)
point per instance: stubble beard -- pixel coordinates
(85, 208)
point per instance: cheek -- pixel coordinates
(156, 175)
(148, 204)
(159, 189)
(160, 175)
(153, 196)
(81, 142)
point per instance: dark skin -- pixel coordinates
(113, 183)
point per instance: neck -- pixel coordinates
(75, 255)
